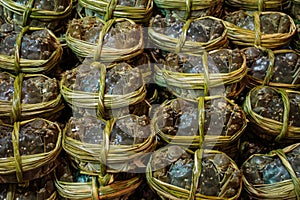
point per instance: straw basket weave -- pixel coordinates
(14, 110)
(271, 129)
(191, 9)
(260, 5)
(100, 52)
(30, 15)
(22, 168)
(171, 192)
(95, 187)
(244, 37)
(287, 189)
(192, 85)
(17, 64)
(111, 9)
(181, 44)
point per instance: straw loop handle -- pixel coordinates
(103, 177)
(17, 156)
(94, 190)
(197, 169)
(206, 73)
(18, 49)
(101, 92)
(110, 8)
(182, 37)
(27, 12)
(261, 5)
(286, 113)
(257, 39)
(17, 99)
(188, 9)
(105, 29)
(270, 70)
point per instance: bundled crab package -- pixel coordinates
(25, 96)
(267, 29)
(191, 9)
(114, 40)
(274, 5)
(28, 150)
(184, 123)
(192, 36)
(273, 113)
(139, 11)
(101, 90)
(278, 68)
(109, 157)
(205, 174)
(274, 175)
(28, 49)
(120, 144)
(70, 183)
(52, 14)
(189, 76)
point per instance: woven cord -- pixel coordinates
(16, 101)
(286, 113)
(182, 37)
(201, 121)
(289, 168)
(197, 169)
(206, 73)
(98, 65)
(17, 156)
(94, 191)
(257, 39)
(270, 70)
(27, 12)
(104, 178)
(110, 8)
(11, 191)
(18, 49)
(101, 92)
(188, 9)
(261, 5)
(105, 29)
